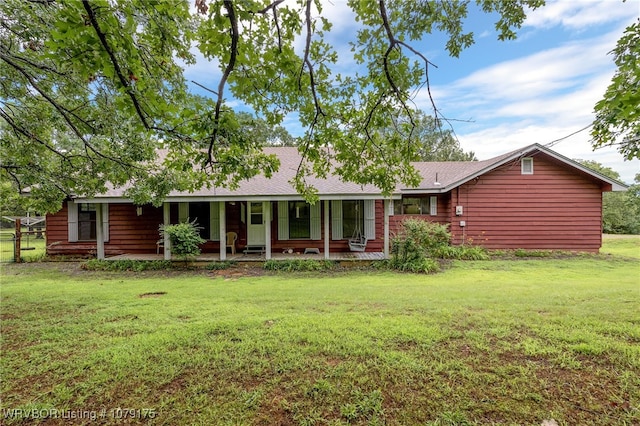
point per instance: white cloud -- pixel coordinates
(543, 73)
(497, 140)
(579, 14)
(535, 99)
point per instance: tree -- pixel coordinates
(434, 143)
(91, 90)
(259, 130)
(620, 210)
(617, 121)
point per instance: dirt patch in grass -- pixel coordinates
(152, 294)
(235, 272)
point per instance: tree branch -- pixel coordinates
(306, 61)
(28, 135)
(114, 62)
(235, 36)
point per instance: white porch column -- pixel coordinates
(327, 237)
(222, 206)
(99, 233)
(166, 220)
(386, 228)
(266, 211)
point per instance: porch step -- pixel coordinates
(254, 249)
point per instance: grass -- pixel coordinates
(486, 342)
(621, 245)
(6, 247)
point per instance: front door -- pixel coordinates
(255, 225)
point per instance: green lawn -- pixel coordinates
(35, 248)
(495, 342)
(623, 245)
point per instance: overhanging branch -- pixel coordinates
(116, 66)
(235, 36)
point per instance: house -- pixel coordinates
(531, 198)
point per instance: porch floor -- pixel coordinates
(259, 257)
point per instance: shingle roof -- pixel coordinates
(436, 177)
(279, 184)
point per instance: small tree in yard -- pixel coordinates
(420, 242)
(184, 238)
(411, 247)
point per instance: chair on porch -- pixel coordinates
(231, 241)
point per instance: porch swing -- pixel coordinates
(357, 242)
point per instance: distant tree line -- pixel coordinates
(620, 210)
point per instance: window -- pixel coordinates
(527, 166)
(82, 221)
(299, 219)
(201, 214)
(255, 214)
(86, 222)
(415, 205)
(433, 205)
(352, 217)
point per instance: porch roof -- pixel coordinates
(261, 188)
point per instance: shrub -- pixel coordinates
(414, 243)
(297, 265)
(126, 265)
(460, 252)
(184, 238)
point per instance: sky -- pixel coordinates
(502, 95)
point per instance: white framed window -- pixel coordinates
(526, 166)
(82, 221)
(414, 206)
(346, 215)
(433, 205)
(86, 222)
(299, 220)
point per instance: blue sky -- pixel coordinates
(536, 89)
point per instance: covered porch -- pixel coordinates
(264, 229)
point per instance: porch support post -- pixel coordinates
(386, 228)
(166, 220)
(266, 211)
(326, 229)
(222, 206)
(99, 233)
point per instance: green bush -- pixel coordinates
(411, 248)
(127, 265)
(184, 238)
(297, 265)
(460, 253)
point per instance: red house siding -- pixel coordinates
(335, 246)
(128, 232)
(554, 208)
(442, 216)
